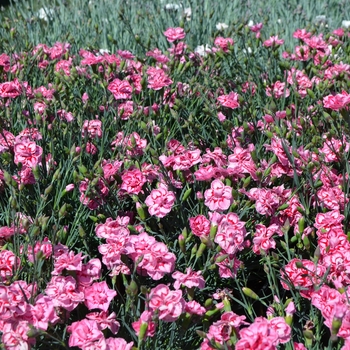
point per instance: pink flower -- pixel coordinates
(92, 128)
(58, 50)
(336, 102)
(173, 34)
(223, 43)
(89, 272)
(218, 197)
(68, 261)
(303, 275)
(84, 333)
(160, 201)
(64, 65)
(105, 321)
(169, 304)
(98, 296)
(273, 41)
(10, 89)
(133, 180)
(278, 89)
(93, 197)
(230, 100)
(9, 264)
(157, 79)
(200, 226)
(64, 293)
(145, 318)
(85, 97)
(190, 279)
(118, 344)
(121, 89)
(28, 153)
(194, 308)
(14, 335)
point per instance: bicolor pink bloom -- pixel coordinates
(230, 100)
(218, 197)
(121, 89)
(169, 304)
(303, 275)
(200, 226)
(160, 201)
(84, 333)
(28, 153)
(173, 34)
(99, 296)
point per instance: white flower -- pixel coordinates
(345, 24)
(201, 50)
(321, 19)
(250, 23)
(188, 13)
(171, 7)
(221, 26)
(45, 13)
(103, 51)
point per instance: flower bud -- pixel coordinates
(248, 292)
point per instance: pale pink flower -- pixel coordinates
(218, 197)
(14, 335)
(68, 261)
(189, 279)
(278, 89)
(89, 272)
(160, 201)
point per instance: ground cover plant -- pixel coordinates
(182, 195)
